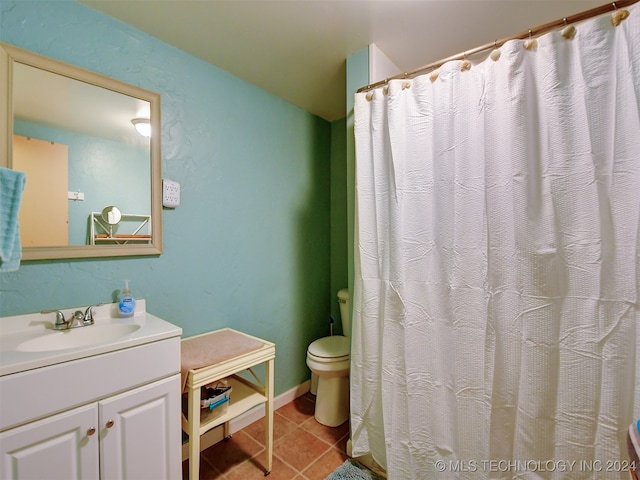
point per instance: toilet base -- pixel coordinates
(332, 401)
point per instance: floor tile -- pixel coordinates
(300, 448)
(309, 396)
(255, 468)
(331, 435)
(225, 455)
(327, 463)
(298, 411)
(342, 443)
(207, 472)
(281, 426)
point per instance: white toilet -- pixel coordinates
(328, 359)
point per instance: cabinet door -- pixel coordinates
(140, 435)
(63, 446)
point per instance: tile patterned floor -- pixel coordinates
(303, 449)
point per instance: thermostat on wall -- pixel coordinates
(170, 193)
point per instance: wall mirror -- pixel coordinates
(73, 132)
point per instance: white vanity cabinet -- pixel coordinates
(125, 436)
(113, 415)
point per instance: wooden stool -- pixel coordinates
(222, 354)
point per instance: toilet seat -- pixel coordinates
(331, 349)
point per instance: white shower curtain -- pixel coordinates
(496, 307)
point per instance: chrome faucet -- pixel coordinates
(78, 318)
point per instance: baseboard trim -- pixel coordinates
(216, 435)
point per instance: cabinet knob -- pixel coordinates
(91, 431)
(110, 424)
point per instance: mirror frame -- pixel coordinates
(10, 55)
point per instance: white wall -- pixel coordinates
(380, 66)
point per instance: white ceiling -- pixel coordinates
(296, 49)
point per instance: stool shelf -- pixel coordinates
(244, 396)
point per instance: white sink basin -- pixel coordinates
(29, 341)
(77, 337)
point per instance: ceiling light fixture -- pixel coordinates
(143, 126)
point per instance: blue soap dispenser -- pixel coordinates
(126, 304)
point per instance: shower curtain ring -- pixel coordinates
(495, 54)
(466, 64)
(433, 76)
(530, 43)
(569, 31)
(618, 15)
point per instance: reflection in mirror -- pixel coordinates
(99, 158)
(111, 215)
(72, 134)
(111, 226)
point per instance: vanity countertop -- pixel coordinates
(18, 329)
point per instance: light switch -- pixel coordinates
(170, 193)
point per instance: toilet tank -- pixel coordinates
(345, 311)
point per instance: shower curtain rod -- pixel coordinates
(578, 17)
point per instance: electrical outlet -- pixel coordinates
(75, 195)
(170, 193)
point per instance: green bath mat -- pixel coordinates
(352, 470)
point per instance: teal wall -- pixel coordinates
(339, 265)
(250, 246)
(357, 76)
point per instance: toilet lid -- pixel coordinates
(330, 347)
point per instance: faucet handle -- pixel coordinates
(88, 314)
(61, 323)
